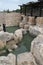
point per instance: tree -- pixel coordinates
(8, 11)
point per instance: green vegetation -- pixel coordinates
(17, 10)
(8, 11)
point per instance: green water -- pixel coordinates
(11, 29)
(24, 45)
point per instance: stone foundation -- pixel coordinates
(10, 19)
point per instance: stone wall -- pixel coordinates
(39, 21)
(10, 19)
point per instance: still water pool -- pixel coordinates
(24, 45)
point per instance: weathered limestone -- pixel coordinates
(27, 21)
(39, 21)
(2, 46)
(23, 22)
(37, 49)
(24, 31)
(8, 39)
(25, 18)
(26, 26)
(8, 60)
(11, 44)
(5, 36)
(2, 18)
(1, 28)
(35, 30)
(18, 35)
(21, 25)
(31, 20)
(25, 59)
(10, 19)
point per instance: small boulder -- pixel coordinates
(34, 30)
(10, 45)
(8, 60)
(5, 36)
(18, 35)
(26, 26)
(26, 59)
(2, 47)
(39, 21)
(37, 49)
(2, 44)
(21, 25)
(31, 20)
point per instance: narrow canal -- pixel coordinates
(24, 45)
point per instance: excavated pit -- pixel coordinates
(24, 45)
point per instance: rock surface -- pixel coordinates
(35, 30)
(2, 47)
(18, 35)
(26, 26)
(1, 28)
(24, 31)
(10, 19)
(8, 60)
(7, 39)
(2, 44)
(26, 59)
(24, 21)
(5, 36)
(11, 44)
(31, 20)
(37, 49)
(39, 21)
(21, 25)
